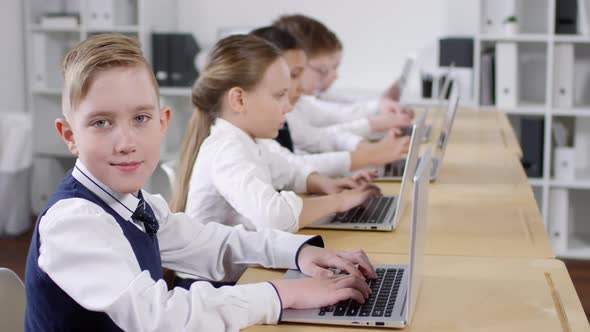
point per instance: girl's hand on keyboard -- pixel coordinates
(317, 262)
(349, 199)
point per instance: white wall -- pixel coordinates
(376, 34)
(12, 67)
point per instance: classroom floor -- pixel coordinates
(13, 254)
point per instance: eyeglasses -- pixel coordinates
(321, 71)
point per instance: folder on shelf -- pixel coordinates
(559, 215)
(506, 74)
(563, 87)
(583, 27)
(38, 60)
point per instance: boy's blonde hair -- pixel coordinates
(313, 35)
(94, 55)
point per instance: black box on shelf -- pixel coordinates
(531, 140)
(457, 50)
(174, 58)
(566, 16)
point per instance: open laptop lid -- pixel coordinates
(409, 167)
(418, 230)
(447, 126)
(405, 74)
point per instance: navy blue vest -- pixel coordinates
(49, 308)
(284, 137)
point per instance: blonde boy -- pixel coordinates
(96, 257)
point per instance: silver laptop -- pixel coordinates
(445, 132)
(405, 75)
(395, 291)
(394, 171)
(377, 213)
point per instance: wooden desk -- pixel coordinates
(494, 221)
(482, 128)
(477, 294)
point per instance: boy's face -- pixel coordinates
(322, 71)
(117, 129)
(296, 60)
(265, 106)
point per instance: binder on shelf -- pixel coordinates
(487, 86)
(174, 58)
(38, 60)
(531, 140)
(506, 74)
(563, 87)
(559, 215)
(583, 27)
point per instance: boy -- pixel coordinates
(324, 52)
(96, 256)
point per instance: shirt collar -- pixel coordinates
(123, 204)
(223, 127)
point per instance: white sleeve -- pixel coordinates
(246, 187)
(84, 251)
(288, 170)
(323, 113)
(327, 163)
(313, 139)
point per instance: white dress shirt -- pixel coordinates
(84, 251)
(237, 181)
(318, 128)
(321, 112)
(326, 163)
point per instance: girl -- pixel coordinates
(324, 51)
(225, 174)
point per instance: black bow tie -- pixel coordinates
(145, 213)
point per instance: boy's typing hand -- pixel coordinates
(392, 117)
(317, 262)
(308, 293)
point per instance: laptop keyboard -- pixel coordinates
(373, 211)
(379, 304)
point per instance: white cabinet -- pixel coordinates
(553, 84)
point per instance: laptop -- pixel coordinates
(440, 145)
(378, 213)
(394, 171)
(396, 288)
(445, 132)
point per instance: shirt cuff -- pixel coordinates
(315, 241)
(351, 142)
(264, 303)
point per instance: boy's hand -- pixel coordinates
(315, 262)
(309, 293)
(392, 92)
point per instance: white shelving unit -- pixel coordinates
(562, 201)
(46, 44)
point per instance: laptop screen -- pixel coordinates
(418, 230)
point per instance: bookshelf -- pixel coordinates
(557, 95)
(54, 26)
